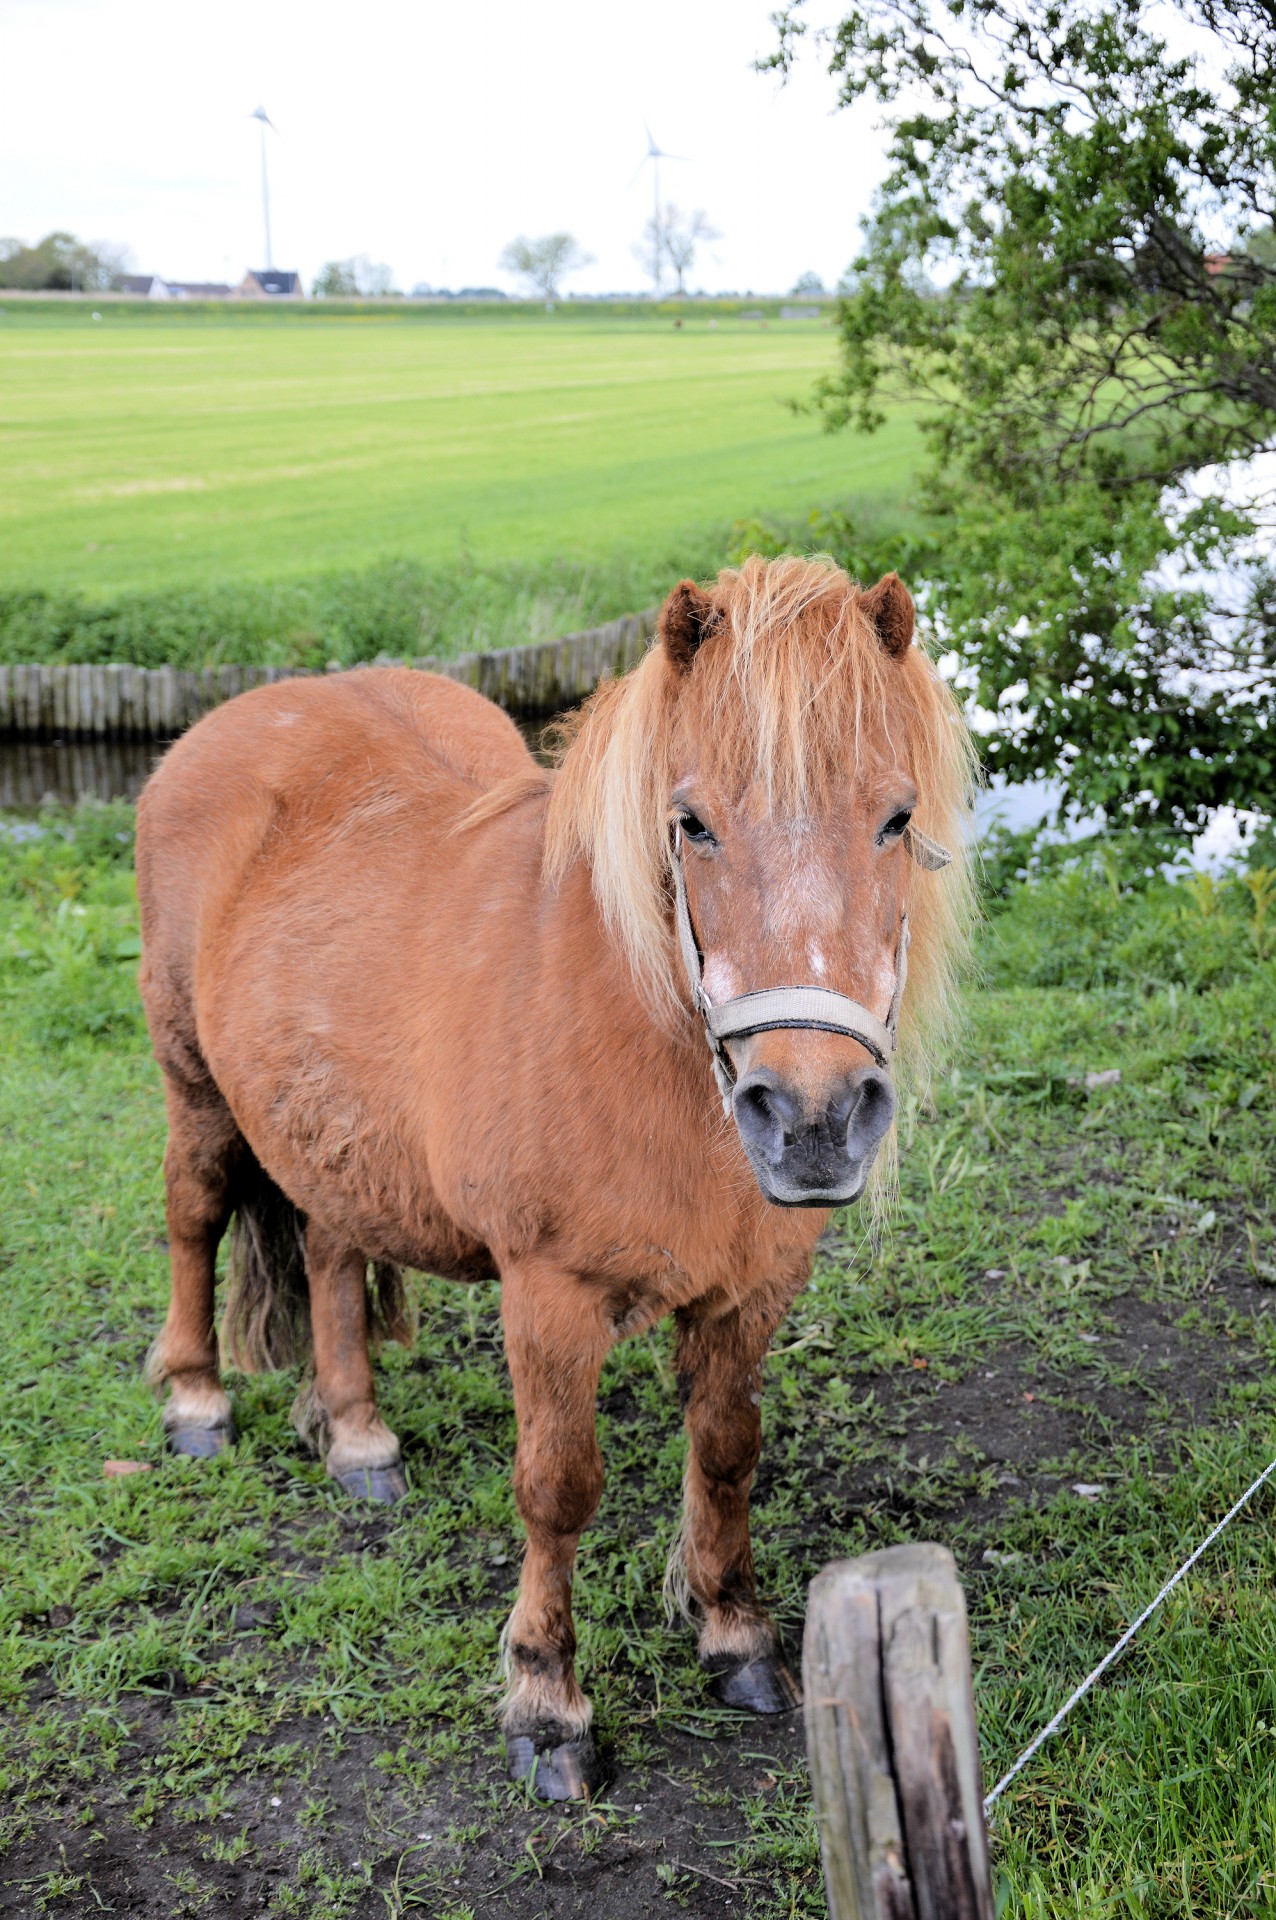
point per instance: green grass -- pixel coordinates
(1077, 1288)
(400, 609)
(147, 453)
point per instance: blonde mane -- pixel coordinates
(791, 688)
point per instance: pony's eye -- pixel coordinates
(694, 828)
(895, 825)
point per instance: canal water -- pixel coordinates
(36, 772)
(33, 772)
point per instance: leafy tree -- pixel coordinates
(674, 237)
(60, 264)
(545, 263)
(1262, 247)
(1070, 265)
(353, 279)
(377, 281)
(336, 280)
(808, 283)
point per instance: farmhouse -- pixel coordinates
(269, 283)
(143, 286)
(152, 286)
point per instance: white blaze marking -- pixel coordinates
(815, 961)
(803, 898)
(721, 980)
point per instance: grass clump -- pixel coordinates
(1119, 921)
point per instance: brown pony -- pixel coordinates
(420, 1002)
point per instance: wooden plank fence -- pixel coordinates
(120, 702)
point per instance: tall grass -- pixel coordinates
(398, 607)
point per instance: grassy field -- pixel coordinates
(226, 1691)
(180, 451)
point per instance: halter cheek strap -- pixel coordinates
(811, 1007)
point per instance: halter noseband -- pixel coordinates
(812, 1007)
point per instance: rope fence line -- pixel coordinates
(1052, 1726)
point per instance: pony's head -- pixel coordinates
(772, 760)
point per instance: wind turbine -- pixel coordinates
(655, 154)
(260, 114)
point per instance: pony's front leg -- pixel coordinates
(556, 1337)
(338, 1412)
(719, 1362)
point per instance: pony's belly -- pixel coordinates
(443, 1250)
(407, 1227)
(345, 1168)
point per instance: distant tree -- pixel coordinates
(377, 279)
(335, 280)
(808, 283)
(61, 264)
(114, 262)
(545, 263)
(355, 279)
(672, 238)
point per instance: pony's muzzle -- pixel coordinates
(813, 1158)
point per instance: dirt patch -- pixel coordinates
(658, 1835)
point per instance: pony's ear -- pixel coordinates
(686, 620)
(889, 605)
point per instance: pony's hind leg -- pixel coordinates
(337, 1412)
(556, 1337)
(719, 1363)
(204, 1146)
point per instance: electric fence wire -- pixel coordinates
(1052, 1726)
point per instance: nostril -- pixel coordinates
(765, 1115)
(871, 1112)
(761, 1108)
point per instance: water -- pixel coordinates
(33, 772)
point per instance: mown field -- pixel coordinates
(225, 1690)
(239, 470)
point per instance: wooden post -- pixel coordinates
(890, 1730)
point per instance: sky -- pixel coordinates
(426, 136)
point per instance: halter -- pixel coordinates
(818, 1008)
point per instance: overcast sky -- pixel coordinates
(424, 135)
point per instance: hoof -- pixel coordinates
(570, 1771)
(758, 1686)
(201, 1443)
(383, 1485)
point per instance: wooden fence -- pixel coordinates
(157, 703)
(890, 1732)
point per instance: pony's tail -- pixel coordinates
(266, 1323)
